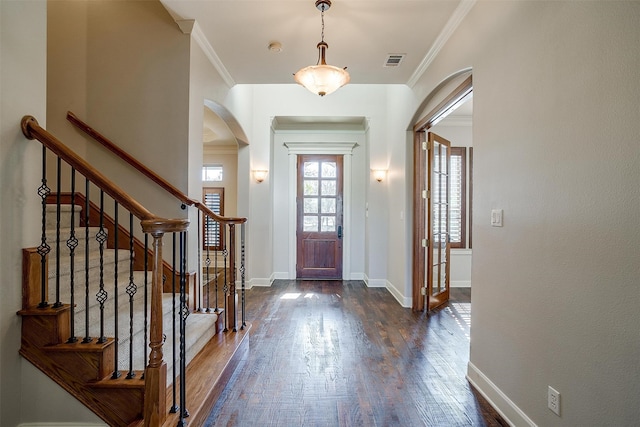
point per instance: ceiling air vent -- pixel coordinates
(394, 59)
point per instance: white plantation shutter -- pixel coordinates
(213, 199)
(457, 207)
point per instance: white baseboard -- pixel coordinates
(375, 283)
(402, 300)
(383, 283)
(259, 282)
(500, 401)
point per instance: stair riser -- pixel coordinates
(196, 337)
(51, 219)
(65, 235)
(108, 279)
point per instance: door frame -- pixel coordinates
(420, 156)
(344, 149)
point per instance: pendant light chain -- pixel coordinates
(322, 17)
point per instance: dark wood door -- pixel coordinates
(319, 217)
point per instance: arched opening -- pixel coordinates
(441, 219)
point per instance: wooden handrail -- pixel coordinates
(164, 184)
(32, 130)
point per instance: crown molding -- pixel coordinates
(191, 27)
(295, 147)
(458, 15)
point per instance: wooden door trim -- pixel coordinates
(419, 184)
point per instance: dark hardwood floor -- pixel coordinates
(326, 353)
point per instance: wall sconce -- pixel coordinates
(259, 175)
(379, 174)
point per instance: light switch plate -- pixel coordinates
(496, 217)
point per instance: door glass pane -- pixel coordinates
(328, 170)
(310, 169)
(328, 206)
(328, 224)
(310, 205)
(310, 223)
(443, 276)
(310, 187)
(329, 188)
(435, 286)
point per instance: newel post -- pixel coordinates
(155, 400)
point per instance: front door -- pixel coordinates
(319, 217)
(438, 244)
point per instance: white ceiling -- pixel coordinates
(360, 33)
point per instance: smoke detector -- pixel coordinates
(275, 47)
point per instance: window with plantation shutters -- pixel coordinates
(213, 198)
(457, 205)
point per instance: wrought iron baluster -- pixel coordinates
(184, 313)
(72, 243)
(232, 274)
(44, 248)
(131, 291)
(215, 271)
(225, 285)
(102, 294)
(199, 275)
(87, 335)
(207, 263)
(174, 408)
(146, 301)
(242, 269)
(116, 371)
(58, 303)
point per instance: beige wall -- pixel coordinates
(123, 67)
(25, 395)
(555, 135)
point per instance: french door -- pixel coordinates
(319, 217)
(438, 243)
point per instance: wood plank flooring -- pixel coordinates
(330, 353)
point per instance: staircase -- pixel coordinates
(111, 321)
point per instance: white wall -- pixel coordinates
(256, 106)
(555, 135)
(284, 198)
(396, 198)
(205, 86)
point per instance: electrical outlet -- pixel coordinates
(553, 400)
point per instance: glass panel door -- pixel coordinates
(438, 246)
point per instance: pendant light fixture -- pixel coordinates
(322, 79)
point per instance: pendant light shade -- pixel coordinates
(322, 79)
